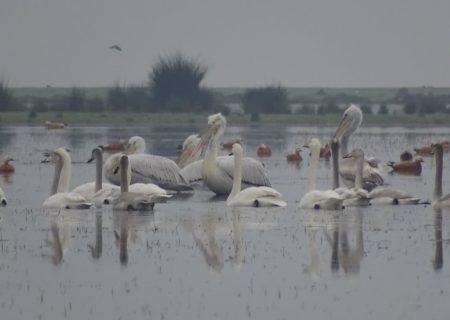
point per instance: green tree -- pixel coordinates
(117, 99)
(76, 100)
(383, 109)
(174, 83)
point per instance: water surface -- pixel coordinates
(194, 258)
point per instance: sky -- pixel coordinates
(244, 43)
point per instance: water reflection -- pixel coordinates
(60, 233)
(97, 248)
(438, 260)
(343, 255)
(127, 229)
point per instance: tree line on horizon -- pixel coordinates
(175, 85)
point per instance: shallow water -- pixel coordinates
(194, 258)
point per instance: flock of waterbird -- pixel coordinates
(137, 181)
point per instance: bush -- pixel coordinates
(265, 100)
(174, 83)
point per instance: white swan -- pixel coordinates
(439, 201)
(60, 197)
(217, 172)
(98, 191)
(139, 197)
(318, 199)
(146, 168)
(356, 196)
(3, 200)
(253, 196)
(372, 169)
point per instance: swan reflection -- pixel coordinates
(60, 234)
(438, 261)
(97, 248)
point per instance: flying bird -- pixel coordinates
(115, 47)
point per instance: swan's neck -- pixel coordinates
(314, 164)
(56, 176)
(359, 173)
(438, 178)
(335, 159)
(98, 171)
(64, 180)
(344, 145)
(237, 176)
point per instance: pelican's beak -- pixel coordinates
(193, 149)
(344, 125)
(128, 149)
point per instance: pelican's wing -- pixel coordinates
(192, 172)
(253, 172)
(158, 170)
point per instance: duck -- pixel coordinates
(55, 125)
(263, 151)
(407, 167)
(428, 150)
(6, 166)
(295, 156)
(114, 146)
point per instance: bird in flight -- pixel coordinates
(115, 47)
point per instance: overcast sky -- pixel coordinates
(244, 43)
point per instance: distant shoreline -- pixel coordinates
(188, 119)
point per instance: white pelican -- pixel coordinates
(318, 199)
(356, 196)
(60, 197)
(3, 201)
(439, 201)
(98, 191)
(253, 196)
(372, 170)
(146, 168)
(217, 172)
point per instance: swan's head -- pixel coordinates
(313, 144)
(135, 145)
(97, 153)
(237, 149)
(351, 120)
(61, 153)
(216, 125)
(355, 154)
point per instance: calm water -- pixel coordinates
(194, 258)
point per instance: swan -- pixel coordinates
(372, 170)
(356, 196)
(3, 201)
(318, 199)
(60, 196)
(146, 168)
(439, 201)
(129, 200)
(252, 196)
(101, 192)
(217, 172)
